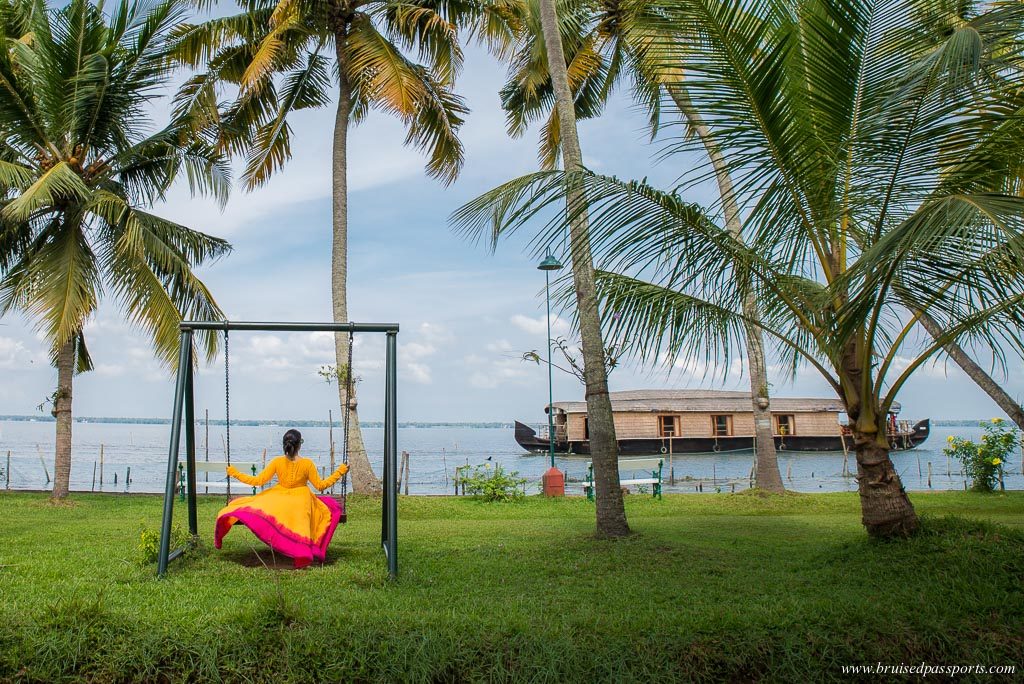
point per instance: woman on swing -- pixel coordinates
(287, 517)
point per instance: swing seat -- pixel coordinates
(340, 499)
(217, 468)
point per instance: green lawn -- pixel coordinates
(714, 587)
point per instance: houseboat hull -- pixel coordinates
(528, 439)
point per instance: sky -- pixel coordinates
(466, 314)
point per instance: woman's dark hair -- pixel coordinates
(292, 440)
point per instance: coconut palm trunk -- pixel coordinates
(885, 507)
(886, 510)
(611, 512)
(363, 479)
(62, 412)
(766, 470)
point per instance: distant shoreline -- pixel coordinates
(366, 424)
(259, 423)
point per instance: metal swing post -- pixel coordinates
(184, 373)
(190, 445)
(389, 526)
(184, 409)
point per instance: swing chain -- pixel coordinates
(348, 411)
(227, 402)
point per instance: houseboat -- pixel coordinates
(705, 421)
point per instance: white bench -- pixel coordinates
(217, 468)
(638, 471)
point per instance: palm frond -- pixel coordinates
(150, 265)
(58, 184)
(56, 283)
(304, 88)
(422, 27)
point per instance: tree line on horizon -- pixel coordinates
(866, 154)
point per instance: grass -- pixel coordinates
(724, 587)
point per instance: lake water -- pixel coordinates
(434, 454)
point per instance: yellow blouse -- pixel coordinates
(289, 473)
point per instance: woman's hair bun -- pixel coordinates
(292, 440)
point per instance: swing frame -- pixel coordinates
(184, 412)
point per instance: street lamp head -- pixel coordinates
(550, 263)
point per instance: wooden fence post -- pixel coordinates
(405, 466)
(846, 453)
(671, 464)
(43, 462)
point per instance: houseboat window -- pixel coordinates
(721, 426)
(785, 425)
(668, 426)
(586, 428)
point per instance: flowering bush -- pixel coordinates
(492, 483)
(983, 462)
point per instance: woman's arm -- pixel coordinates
(254, 480)
(314, 477)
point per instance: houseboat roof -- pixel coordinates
(702, 401)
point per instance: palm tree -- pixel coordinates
(608, 40)
(943, 20)
(541, 21)
(287, 55)
(881, 181)
(76, 169)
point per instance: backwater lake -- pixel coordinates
(434, 453)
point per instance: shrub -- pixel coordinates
(492, 483)
(149, 542)
(983, 462)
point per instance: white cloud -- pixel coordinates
(14, 355)
(700, 372)
(539, 326)
(499, 346)
(489, 373)
(109, 370)
(417, 372)
(436, 333)
(418, 350)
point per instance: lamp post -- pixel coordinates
(553, 479)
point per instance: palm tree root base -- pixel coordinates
(885, 507)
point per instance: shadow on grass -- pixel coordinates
(265, 558)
